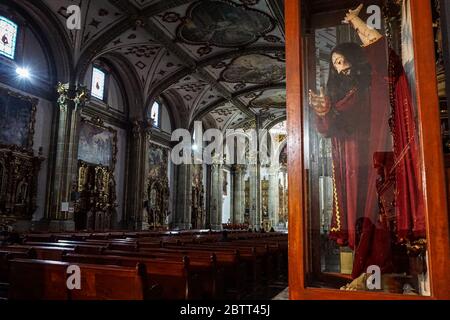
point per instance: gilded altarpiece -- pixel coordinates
(267, 224)
(156, 202)
(19, 166)
(95, 193)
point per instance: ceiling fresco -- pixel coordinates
(255, 69)
(222, 58)
(207, 27)
(273, 98)
(223, 24)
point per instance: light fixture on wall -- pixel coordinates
(23, 73)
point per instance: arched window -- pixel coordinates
(155, 114)
(98, 83)
(8, 37)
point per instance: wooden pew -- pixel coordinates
(46, 280)
(7, 255)
(249, 255)
(204, 267)
(42, 252)
(172, 275)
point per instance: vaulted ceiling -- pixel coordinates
(223, 58)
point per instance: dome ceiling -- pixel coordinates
(223, 58)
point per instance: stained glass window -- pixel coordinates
(154, 114)
(98, 83)
(8, 37)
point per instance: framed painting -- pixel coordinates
(17, 118)
(97, 143)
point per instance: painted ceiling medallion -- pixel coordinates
(223, 24)
(273, 98)
(255, 69)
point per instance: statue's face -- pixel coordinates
(341, 64)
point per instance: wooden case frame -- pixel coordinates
(431, 154)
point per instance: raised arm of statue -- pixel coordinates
(367, 34)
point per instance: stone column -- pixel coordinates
(255, 219)
(238, 194)
(132, 219)
(71, 99)
(216, 194)
(274, 195)
(183, 197)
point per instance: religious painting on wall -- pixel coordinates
(156, 161)
(17, 116)
(223, 24)
(377, 201)
(97, 144)
(255, 69)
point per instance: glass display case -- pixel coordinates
(362, 218)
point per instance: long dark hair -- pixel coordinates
(339, 84)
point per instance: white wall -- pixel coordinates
(165, 120)
(34, 58)
(115, 97)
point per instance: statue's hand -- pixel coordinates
(352, 14)
(319, 102)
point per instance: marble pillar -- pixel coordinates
(71, 99)
(216, 194)
(134, 213)
(274, 196)
(238, 194)
(183, 197)
(255, 192)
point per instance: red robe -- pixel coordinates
(359, 128)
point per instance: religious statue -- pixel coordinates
(365, 98)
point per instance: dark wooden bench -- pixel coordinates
(204, 268)
(46, 280)
(7, 255)
(173, 276)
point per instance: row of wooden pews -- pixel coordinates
(185, 265)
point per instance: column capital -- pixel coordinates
(217, 160)
(70, 95)
(238, 168)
